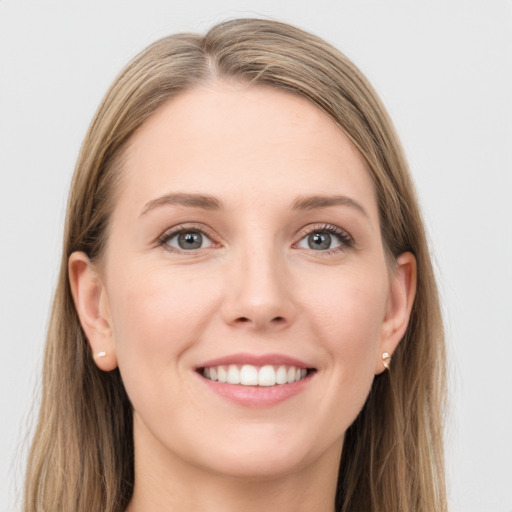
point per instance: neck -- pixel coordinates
(166, 482)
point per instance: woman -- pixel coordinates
(246, 316)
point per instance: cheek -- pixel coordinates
(157, 314)
(351, 305)
(349, 317)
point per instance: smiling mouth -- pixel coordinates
(250, 375)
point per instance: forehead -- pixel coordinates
(243, 143)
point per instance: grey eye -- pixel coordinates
(189, 240)
(320, 241)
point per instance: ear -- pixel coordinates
(91, 303)
(402, 291)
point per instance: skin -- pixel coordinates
(255, 286)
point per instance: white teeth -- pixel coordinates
(249, 375)
(233, 374)
(281, 375)
(222, 375)
(266, 376)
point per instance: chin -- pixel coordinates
(259, 461)
(259, 468)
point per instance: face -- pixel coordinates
(245, 292)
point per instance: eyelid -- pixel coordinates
(346, 240)
(170, 233)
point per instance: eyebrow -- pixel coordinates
(317, 202)
(207, 202)
(203, 201)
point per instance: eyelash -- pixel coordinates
(345, 240)
(164, 239)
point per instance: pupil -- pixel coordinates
(319, 241)
(190, 240)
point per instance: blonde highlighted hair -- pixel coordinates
(82, 454)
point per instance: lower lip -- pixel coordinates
(257, 396)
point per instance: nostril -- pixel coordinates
(274, 321)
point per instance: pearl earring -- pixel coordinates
(99, 355)
(386, 360)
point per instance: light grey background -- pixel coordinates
(443, 69)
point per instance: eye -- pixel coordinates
(325, 238)
(187, 240)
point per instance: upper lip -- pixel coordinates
(256, 360)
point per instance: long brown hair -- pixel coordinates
(82, 455)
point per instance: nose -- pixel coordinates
(259, 293)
